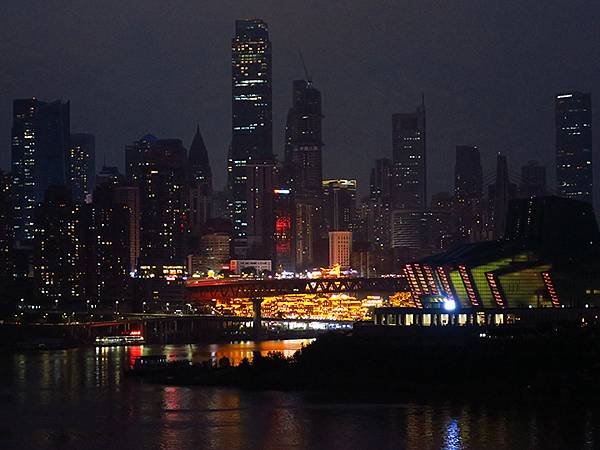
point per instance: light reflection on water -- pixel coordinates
(79, 399)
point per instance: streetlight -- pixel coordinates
(116, 306)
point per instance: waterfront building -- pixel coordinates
(547, 259)
(110, 246)
(573, 121)
(59, 253)
(158, 168)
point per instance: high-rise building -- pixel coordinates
(340, 248)
(468, 192)
(303, 171)
(574, 175)
(409, 187)
(59, 256)
(161, 179)
(134, 158)
(109, 247)
(468, 174)
(283, 211)
(261, 181)
(6, 228)
(499, 195)
(339, 204)
(200, 190)
(251, 139)
(303, 140)
(533, 180)
(40, 140)
(81, 165)
(109, 175)
(129, 197)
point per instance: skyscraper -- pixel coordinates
(40, 139)
(303, 171)
(163, 195)
(303, 139)
(468, 192)
(573, 119)
(200, 184)
(340, 204)
(533, 180)
(251, 134)
(409, 189)
(81, 165)
(468, 175)
(59, 263)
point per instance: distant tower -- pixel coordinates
(502, 195)
(533, 180)
(574, 175)
(303, 171)
(468, 191)
(409, 157)
(200, 184)
(81, 165)
(40, 140)
(252, 140)
(340, 204)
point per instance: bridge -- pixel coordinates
(226, 288)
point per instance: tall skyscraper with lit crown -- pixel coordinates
(574, 174)
(251, 124)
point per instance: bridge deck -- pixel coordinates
(202, 290)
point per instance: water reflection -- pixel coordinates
(79, 398)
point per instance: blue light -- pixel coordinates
(449, 305)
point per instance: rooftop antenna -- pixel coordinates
(306, 75)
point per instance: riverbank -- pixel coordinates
(547, 363)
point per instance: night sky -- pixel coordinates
(489, 71)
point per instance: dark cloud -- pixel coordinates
(488, 69)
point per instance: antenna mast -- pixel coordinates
(306, 74)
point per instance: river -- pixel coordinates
(79, 399)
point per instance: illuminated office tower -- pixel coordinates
(81, 165)
(40, 140)
(251, 134)
(574, 174)
(409, 187)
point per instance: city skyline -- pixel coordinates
(461, 112)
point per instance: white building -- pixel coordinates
(340, 248)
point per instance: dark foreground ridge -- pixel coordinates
(549, 362)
